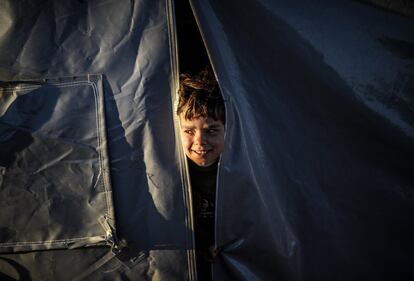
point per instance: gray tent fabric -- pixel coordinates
(316, 181)
(131, 46)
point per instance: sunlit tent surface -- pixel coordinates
(316, 181)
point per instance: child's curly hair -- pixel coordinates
(199, 96)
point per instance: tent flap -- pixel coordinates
(316, 179)
(90, 155)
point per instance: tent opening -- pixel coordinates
(192, 54)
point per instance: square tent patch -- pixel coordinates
(55, 189)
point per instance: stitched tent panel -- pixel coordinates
(56, 190)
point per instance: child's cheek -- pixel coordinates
(186, 142)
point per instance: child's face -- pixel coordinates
(203, 139)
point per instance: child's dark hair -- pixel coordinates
(199, 96)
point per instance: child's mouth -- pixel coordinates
(200, 152)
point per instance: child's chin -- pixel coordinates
(204, 163)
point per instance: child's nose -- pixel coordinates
(200, 138)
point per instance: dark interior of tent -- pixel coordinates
(192, 55)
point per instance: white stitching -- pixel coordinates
(59, 241)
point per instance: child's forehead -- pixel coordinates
(200, 122)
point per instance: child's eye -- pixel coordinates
(189, 132)
(212, 131)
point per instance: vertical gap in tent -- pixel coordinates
(192, 53)
(172, 18)
(193, 57)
